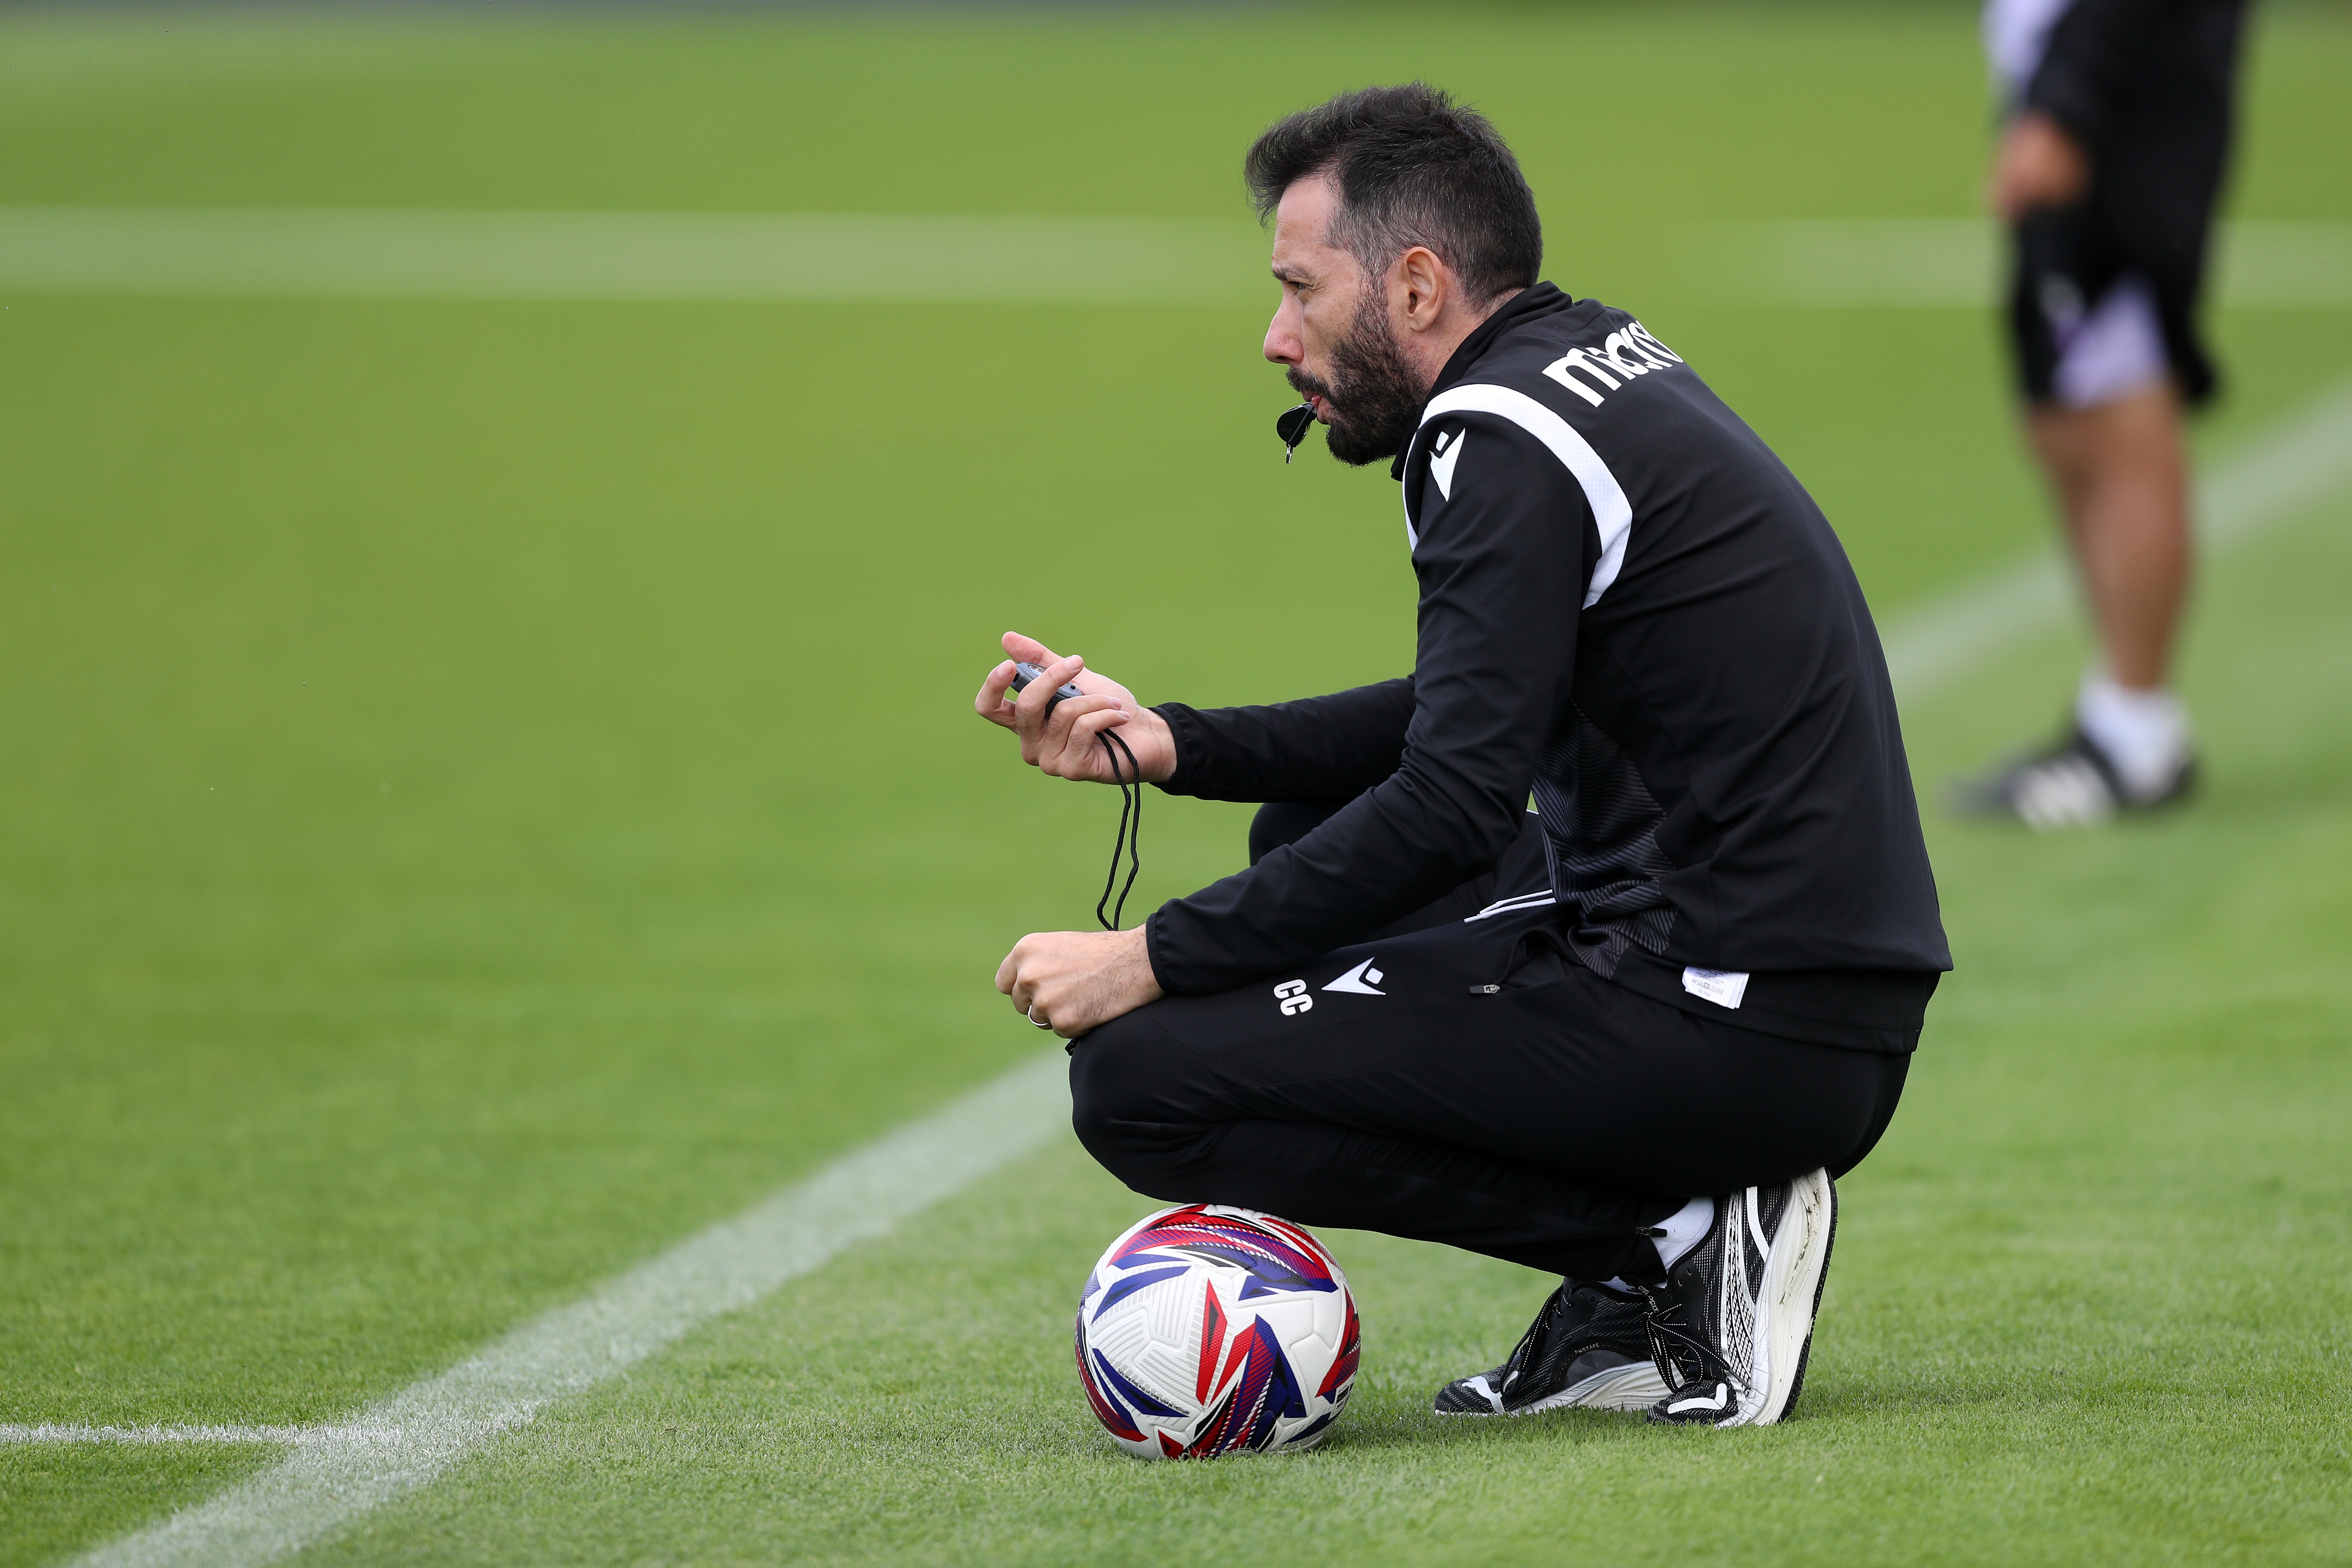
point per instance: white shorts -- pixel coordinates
(2110, 351)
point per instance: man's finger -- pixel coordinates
(1081, 754)
(1054, 750)
(1088, 727)
(1028, 649)
(1034, 700)
(1010, 970)
(989, 703)
(1039, 1011)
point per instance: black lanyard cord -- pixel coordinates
(1129, 841)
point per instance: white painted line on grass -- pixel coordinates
(283, 1437)
(384, 253)
(402, 1442)
(2258, 264)
(2291, 465)
(360, 253)
(2262, 482)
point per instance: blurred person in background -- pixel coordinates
(2115, 136)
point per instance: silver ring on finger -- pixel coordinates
(1041, 1023)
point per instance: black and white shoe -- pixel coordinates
(1733, 1324)
(2070, 784)
(1588, 1346)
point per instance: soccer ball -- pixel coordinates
(1207, 1329)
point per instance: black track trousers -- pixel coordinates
(1486, 1090)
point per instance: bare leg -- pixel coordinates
(2121, 477)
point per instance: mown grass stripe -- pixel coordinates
(361, 253)
(1958, 262)
(342, 1471)
(951, 257)
(50, 1432)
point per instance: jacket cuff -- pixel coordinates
(1151, 953)
(1185, 734)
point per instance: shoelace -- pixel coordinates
(1521, 1352)
(1130, 841)
(1662, 1332)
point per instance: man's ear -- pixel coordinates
(1422, 285)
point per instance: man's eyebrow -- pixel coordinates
(1283, 274)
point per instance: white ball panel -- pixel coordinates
(1152, 1336)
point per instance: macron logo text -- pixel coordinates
(1619, 358)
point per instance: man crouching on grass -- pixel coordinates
(1629, 1034)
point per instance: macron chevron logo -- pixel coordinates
(1442, 459)
(1363, 980)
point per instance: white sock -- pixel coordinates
(1684, 1228)
(2144, 734)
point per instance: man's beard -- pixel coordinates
(1374, 396)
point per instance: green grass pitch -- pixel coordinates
(487, 789)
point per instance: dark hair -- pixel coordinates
(1413, 169)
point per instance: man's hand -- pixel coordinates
(1064, 746)
(1072, 981)
(2039, 165)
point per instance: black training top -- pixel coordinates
(2138, 82)
(1630, 608)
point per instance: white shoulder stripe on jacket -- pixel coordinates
(1612, 513)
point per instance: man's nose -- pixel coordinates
(1282, 344)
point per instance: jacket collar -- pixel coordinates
(1543, 300)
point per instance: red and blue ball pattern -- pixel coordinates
(1206, 1329)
